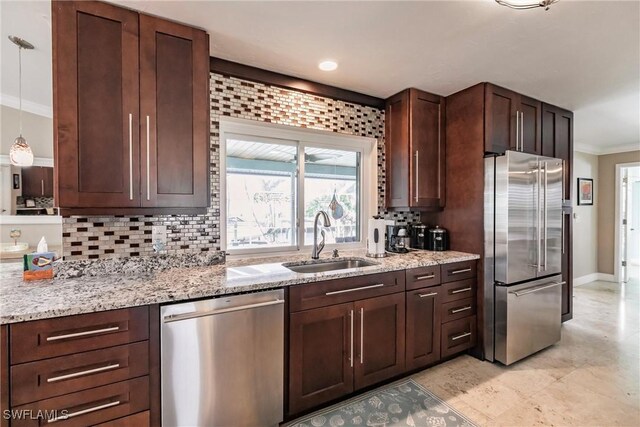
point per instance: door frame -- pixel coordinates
(617, 262)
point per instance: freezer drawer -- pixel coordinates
(528, 318)
(223, 361)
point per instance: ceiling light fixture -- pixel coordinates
(328, 65)
(20, 152)
(526, 4)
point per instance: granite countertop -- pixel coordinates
(21, 301)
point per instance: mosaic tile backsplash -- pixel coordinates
(128, 236)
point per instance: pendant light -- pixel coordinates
(20, 152)
(527, 4)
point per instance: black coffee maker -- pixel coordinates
(398, 239)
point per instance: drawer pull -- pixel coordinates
(457, 337)
(428, 276)
(457, 291)
(458, 310)
(431, 294)
(464, 270)
(82, 334)
(84, 411)
(82, 373)
(343, 291)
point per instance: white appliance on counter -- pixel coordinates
(523, 252)
(376, 236)
(222, 361)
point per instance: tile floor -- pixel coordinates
(590, 378)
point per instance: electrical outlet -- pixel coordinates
(159, 237)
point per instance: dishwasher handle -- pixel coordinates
(196, 314)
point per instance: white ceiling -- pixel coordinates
(581, 55)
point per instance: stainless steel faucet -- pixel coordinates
(317, 248)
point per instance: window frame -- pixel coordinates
(302, 137)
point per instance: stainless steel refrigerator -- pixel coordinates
(522, 270)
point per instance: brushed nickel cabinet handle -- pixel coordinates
(83, 373)
(148, 164)
(432, 294)
(517, 133)
(361, 288)
(42, 186)
(84, 411)
(459, 310)
(464, 270)
(351, 356)
(457, 291)
(457, 337)
(130, 156)
(417, 176)
(361, 335)
(428, 276)
(83, 334)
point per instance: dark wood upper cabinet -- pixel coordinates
(113, 68)
(379, 339)
(174, 93)
(37, 181)
(557, 141)
(415, 150)
(95, 101)
(320, 356)
(512, 121)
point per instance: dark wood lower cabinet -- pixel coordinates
(423, 327)
(379, 339)
(320, 356)
(458, 335)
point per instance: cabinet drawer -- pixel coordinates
(67, 374)
(89, 407)
(422, 277)
(320, 294)
(458, 271)
(458, 335)
(140, 419)
(455, 291)
(41, 339)
(458, 309)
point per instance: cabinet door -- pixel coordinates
(567, 269)
(379, 339)
(174, 105)
(557, 141)
(500, 119)
(95, 94)
(531, 121)
(32, 181)
(423, 327)
(321, 348)
(397, 154)
(47, 181)
(427, 169)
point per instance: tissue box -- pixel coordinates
(38, 265)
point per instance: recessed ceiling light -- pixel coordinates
(328, 65)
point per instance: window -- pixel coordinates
(275, 179)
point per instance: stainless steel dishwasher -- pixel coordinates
(222, 361)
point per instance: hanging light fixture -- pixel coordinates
(527, 4)
(20, 152)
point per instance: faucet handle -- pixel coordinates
(336, 254)
(321, 244)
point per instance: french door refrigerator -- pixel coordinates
(523, 249)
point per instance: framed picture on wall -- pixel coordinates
(585, 191)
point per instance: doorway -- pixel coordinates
(628, 221)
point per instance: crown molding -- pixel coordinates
(600, 151)
(28, 106)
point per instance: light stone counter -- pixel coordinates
(21, 301)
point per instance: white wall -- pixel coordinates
(38, 131)
(585, 222)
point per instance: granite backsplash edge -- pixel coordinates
(159, 262)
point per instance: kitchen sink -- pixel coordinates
(322, 266)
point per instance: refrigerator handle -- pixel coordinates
(546, 170)
(539, 254)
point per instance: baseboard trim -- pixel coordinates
(588, 278)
